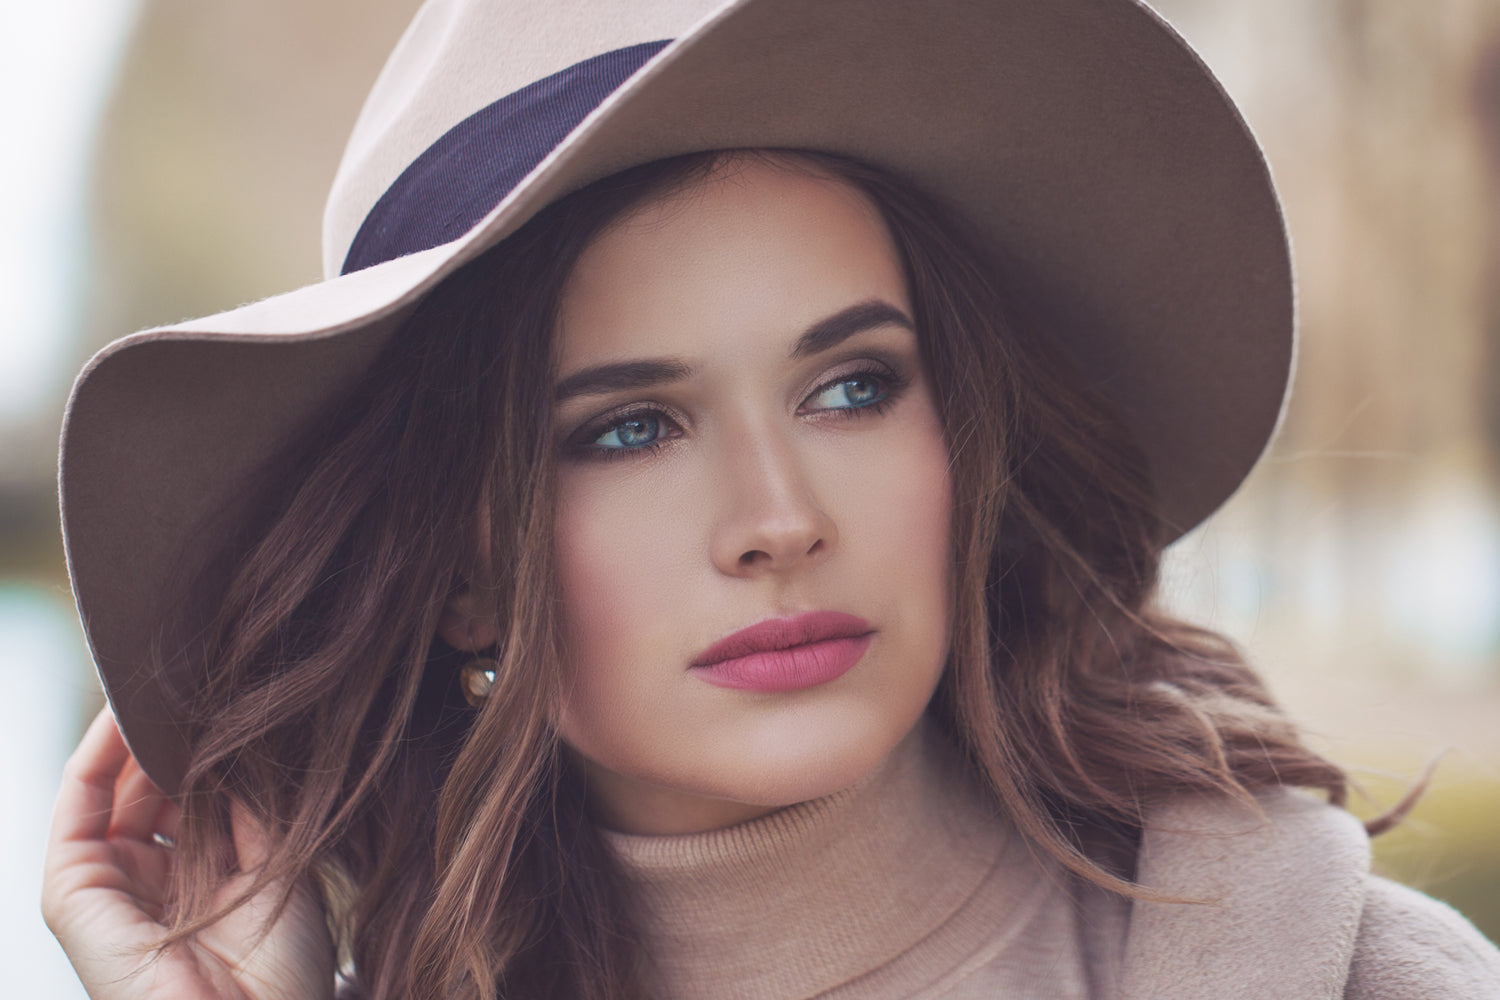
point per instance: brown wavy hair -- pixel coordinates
(454, 846)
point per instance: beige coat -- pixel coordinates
(1299, 914)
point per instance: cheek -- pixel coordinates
(610, 550)
(922, 502)
(897, 523)
(623, 556)
(919, 550)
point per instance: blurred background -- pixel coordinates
(169, 158)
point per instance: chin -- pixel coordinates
(791, 758)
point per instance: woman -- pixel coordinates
(654, 572)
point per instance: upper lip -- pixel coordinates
(783, 633)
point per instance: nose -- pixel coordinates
(770, 520)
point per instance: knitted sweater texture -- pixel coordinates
(910, 884)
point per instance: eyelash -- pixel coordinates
(892, 381)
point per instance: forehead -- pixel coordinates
(744, 259)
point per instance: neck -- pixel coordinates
(643, 808)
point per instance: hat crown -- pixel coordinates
(459, 56)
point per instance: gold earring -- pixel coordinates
(476, 678)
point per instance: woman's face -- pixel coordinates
(746, 436)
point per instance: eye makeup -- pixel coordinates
(638, 430)
(857, 388)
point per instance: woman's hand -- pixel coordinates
(105, 881)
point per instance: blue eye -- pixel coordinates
(851, 393)
(635, 431)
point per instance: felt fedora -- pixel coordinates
(1089, 151)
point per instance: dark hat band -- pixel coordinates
(474, 165)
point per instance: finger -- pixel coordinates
(252, 843)
(144, 873)
(86, 798)
(138, 803)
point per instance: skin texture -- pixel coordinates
(769, 494)
(106, 875)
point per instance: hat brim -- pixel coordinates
(1094, 158)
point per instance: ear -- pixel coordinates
(468, 621)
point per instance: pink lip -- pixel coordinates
(786, 654)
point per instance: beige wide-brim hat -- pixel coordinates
(1095, 158)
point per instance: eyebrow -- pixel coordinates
(833, 331)
(823, 335)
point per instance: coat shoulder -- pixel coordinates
(1413, 947)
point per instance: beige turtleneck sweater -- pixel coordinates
(907, 884)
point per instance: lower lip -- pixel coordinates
(792, 669)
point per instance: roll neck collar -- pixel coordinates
(909, 867)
